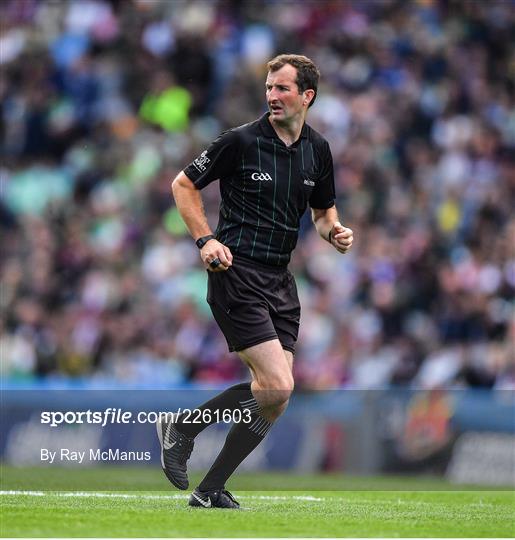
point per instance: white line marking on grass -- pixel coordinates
(100, 495)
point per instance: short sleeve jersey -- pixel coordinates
(265, 187)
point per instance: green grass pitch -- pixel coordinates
(142, 504)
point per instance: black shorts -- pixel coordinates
(253, 303)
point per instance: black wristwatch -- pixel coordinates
(203, 240)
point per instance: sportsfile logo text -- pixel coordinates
(113, 415)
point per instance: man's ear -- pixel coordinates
(309, 94)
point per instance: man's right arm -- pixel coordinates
(189, 203)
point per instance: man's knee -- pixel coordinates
(278, 389)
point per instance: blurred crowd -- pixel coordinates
(104, 102)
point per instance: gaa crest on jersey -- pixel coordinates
(261, 177)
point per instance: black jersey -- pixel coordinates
(265, 187)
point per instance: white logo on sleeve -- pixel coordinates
(261, 177)
(201, 161)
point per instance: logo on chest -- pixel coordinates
(261, 177)
(309, 182)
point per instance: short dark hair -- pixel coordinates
(307, 72)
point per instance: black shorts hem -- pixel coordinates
(239, 348)
(257, 341)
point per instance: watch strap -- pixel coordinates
(203, 240)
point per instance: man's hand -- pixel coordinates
(215, 256)
(341, 237)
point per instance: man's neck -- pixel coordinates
(288, 133)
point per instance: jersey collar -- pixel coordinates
(269, 131)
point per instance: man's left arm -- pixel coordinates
(330, 229)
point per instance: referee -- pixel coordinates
(269, 171)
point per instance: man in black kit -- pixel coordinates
(269, 171)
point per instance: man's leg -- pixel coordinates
(272, 412)
(238, 396)
(272, 384)
(176, 436)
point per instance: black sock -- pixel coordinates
(241, 440)
(236, 397)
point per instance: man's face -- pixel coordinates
(282, 95)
